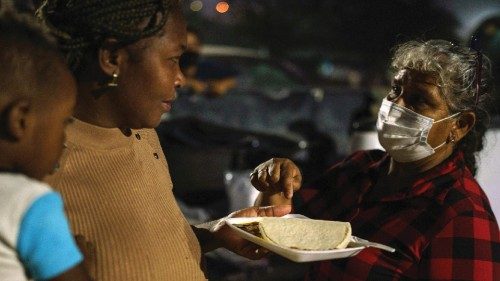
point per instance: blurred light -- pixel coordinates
(490, 29)
(196, 6)
(222, 7)
(303, 144)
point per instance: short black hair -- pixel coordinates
(29, 57)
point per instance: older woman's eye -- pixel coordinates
(394, 93)
(396, 89)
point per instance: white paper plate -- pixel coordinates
(292, 254)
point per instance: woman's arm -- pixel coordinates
(468, 248)
(226, 237)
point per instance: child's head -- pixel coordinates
(37, 96)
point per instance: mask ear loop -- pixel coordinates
(446, 118)
(451, 138)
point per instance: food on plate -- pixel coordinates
(302, 234)
(252, 228)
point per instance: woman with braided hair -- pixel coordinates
(113, 175)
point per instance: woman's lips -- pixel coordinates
(167, 105)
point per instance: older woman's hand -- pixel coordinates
(275, 176)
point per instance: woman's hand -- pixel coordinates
(276, 176)
(232, 241)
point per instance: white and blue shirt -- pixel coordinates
(35, 239)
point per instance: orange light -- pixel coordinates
(222, 7)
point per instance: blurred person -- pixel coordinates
(204, 77)
(113, 175)
(37, 96)
(219, 78)
(189, 63)
(194, 42)
(420, 196)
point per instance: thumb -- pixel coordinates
(275, 211)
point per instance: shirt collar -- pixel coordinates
(424, 184)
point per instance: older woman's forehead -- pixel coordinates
(422, 83)
(414, 76)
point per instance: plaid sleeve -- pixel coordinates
(467, 248)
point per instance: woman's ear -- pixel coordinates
(16, 122)
(110, 57)
(463, 125)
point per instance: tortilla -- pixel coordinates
(306, 234)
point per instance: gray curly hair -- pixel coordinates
(456, 70)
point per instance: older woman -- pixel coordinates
(420, 196)
(113, 175)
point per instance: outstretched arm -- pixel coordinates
(227, 238)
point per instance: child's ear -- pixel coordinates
(16, 121)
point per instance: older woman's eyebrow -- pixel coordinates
(418, 81)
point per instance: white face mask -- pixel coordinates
(403, 132)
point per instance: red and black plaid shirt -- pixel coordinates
(442, 225)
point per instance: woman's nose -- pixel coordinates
(180, 80)
(396, 98)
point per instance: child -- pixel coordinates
(37, 96)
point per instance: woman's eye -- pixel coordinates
(396, 89)
(394, 93)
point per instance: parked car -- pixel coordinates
(257, 70)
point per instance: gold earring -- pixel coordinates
(114, 80)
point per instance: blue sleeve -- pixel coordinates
(45, 244)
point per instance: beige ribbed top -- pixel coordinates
(118, 194)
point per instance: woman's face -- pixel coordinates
(420, 93)
(148, 79)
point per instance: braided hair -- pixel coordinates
(456, 69)
(81, 26)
